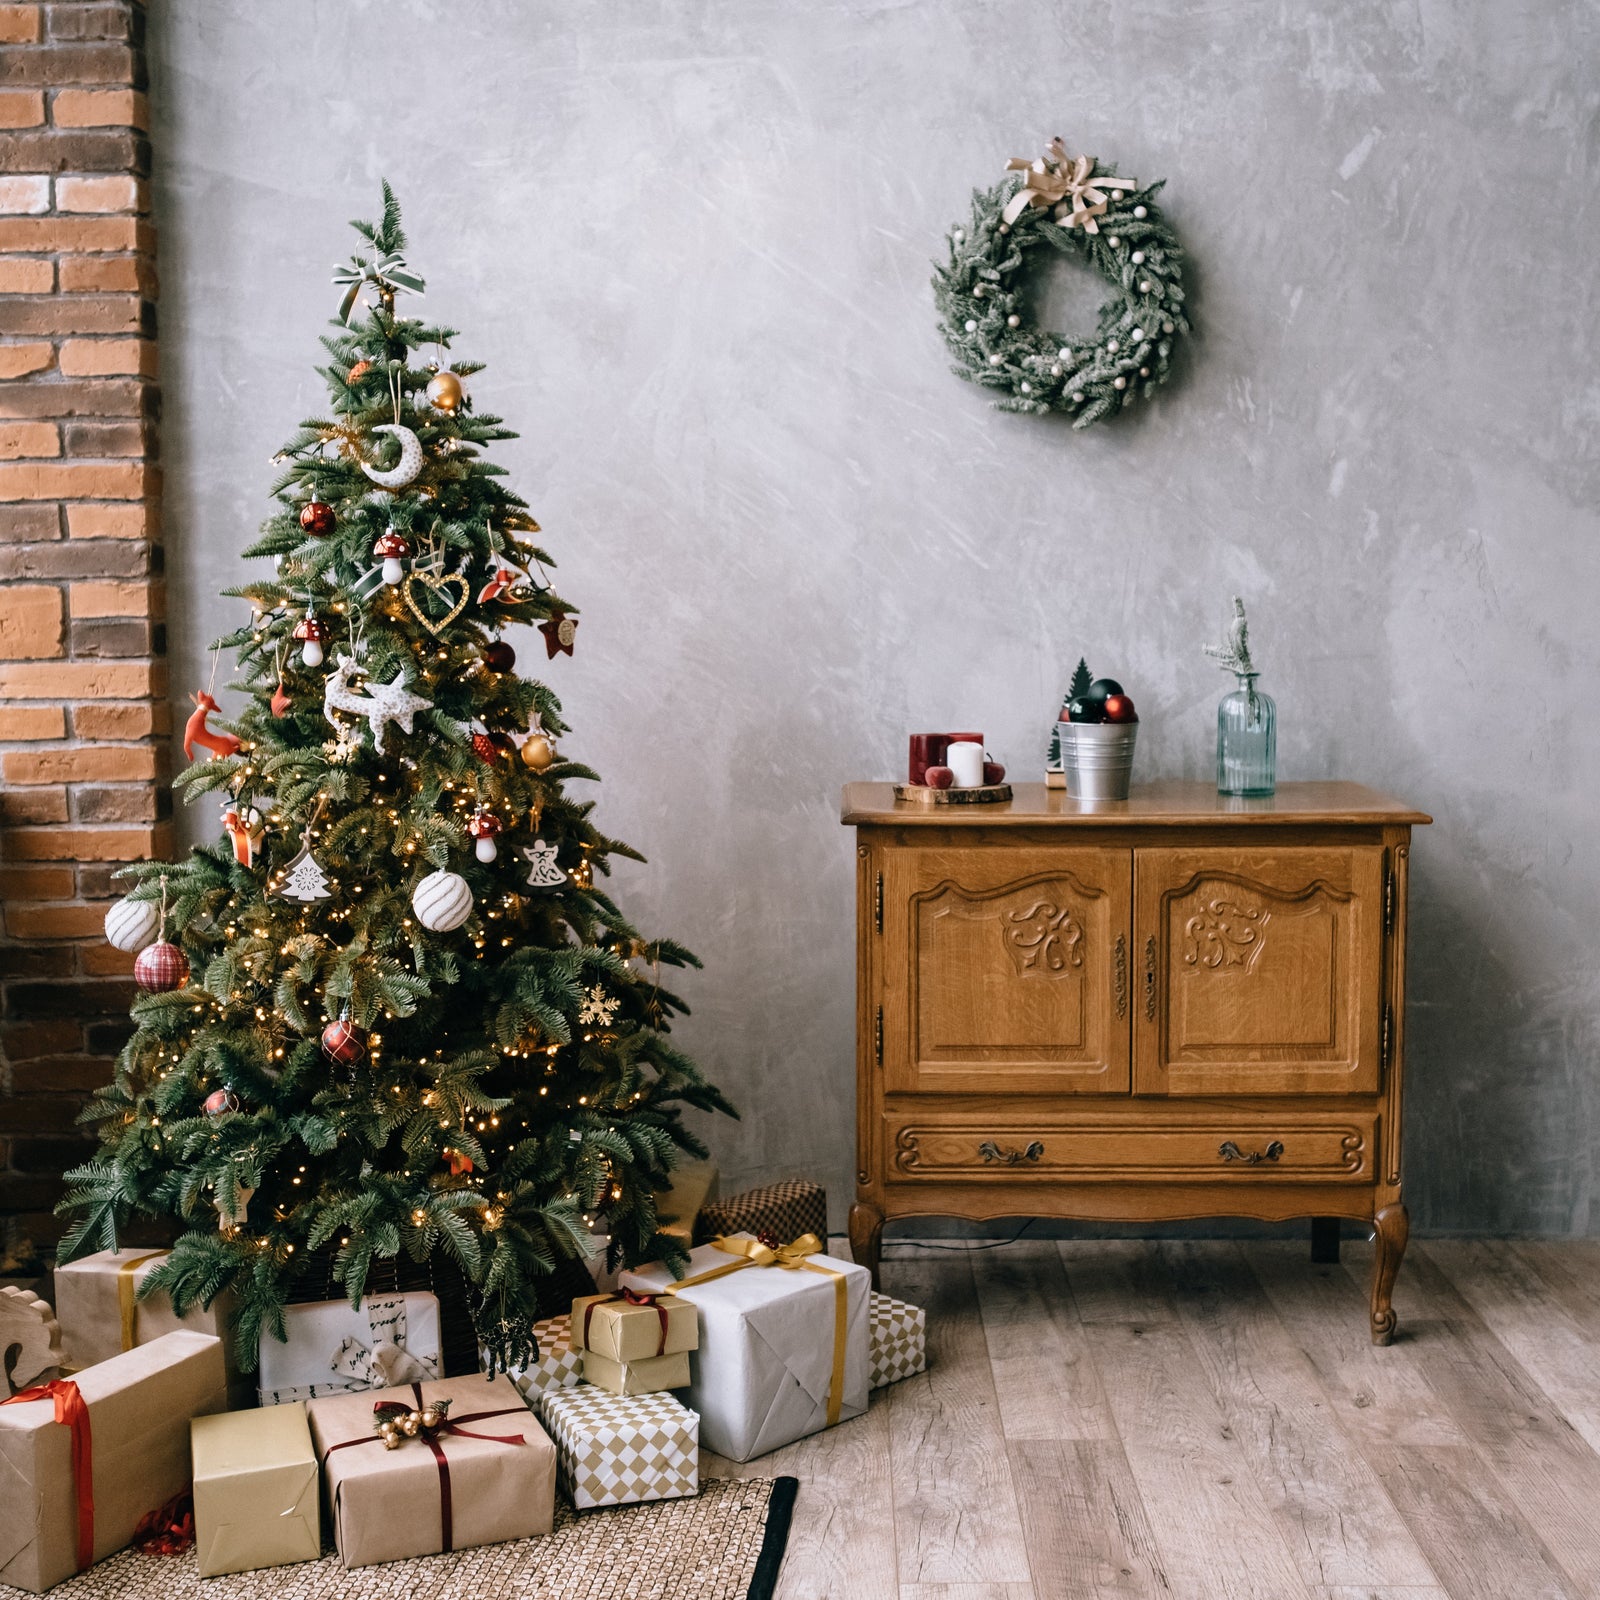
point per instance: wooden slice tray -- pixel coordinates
(921, 794)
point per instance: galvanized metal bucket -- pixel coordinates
(1097, 758)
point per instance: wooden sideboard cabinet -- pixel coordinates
(1177, 1005)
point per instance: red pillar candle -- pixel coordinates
(927, 750)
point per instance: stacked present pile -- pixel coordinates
(764, 1339)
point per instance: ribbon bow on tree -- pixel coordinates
(386, 272)
(1066, 185)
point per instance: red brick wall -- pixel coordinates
(83, 714)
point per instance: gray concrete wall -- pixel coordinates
(693, 241)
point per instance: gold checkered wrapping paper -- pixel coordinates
(617, 1450)
(784, 1211)
(559, 1366)
(899, 1335)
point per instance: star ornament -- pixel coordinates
(559, 631)
(598, 1007)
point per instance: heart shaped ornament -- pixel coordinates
(452, 584)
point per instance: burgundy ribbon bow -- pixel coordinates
(72, 1412)
(633, 1297)
(430, 1437)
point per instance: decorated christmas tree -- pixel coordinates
(391, 1012)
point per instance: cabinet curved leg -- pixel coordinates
(1392, 1226)
(866, 1237)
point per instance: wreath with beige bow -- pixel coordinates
(1082, 208)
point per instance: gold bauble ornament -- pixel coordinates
(538, 753)
(430, 1417)
(445, 392)
(410, 1424)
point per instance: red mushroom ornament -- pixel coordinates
(483, 826)
(311, 634)
(391, 549)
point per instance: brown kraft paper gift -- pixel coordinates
(62, 1509)
(488, 1474)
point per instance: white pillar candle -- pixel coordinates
(966, 761)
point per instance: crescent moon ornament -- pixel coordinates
(409, 464)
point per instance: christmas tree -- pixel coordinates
(400, 1015)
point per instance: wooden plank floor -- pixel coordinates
(1207, 1421)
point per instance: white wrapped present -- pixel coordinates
(784, 1347)
(337, 1348)
(899, 1339)
(615, 1450)
(559, 1366)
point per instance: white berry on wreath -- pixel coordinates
(1067, 202)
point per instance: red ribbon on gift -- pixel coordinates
(73, 1413)
(634, 1297)
(429, 1436)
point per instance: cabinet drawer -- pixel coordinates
(1010, 1148)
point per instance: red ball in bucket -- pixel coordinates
(1119, 708)
(161, 967)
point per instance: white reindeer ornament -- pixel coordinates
(382, 703)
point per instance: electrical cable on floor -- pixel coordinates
(982, 1244)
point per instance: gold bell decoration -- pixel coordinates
(445, 392)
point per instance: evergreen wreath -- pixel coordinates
(1111, 223)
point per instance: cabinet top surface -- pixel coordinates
(1162, 803)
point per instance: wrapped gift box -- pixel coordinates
(336, 1348)
(648, 1376)
(61, 1508)
(899, 1336)
(621, 1329)
(559, 1366)
(617, 1450)
(694, 1186)
(487, 1475)
(255, 1490)
(101, 1315)
(779, 1211)
(771, 1339)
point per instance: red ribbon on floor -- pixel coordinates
(168, 1530)
(634, 1297)
(429, 1436)
(73, 1413)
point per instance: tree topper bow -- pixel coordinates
(386, 272)
(1067, 185)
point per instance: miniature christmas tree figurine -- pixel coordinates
(404, 1027)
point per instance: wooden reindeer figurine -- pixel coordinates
(196, 732)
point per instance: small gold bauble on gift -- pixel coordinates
(445, 392)
(391, 1436)
(430, 1418)
(410, 1424)
(538, 753)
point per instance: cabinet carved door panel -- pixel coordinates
(1007, 976)
(1260, 971)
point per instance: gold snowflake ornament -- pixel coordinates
(598, 1007)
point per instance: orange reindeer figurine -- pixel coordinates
(196, 732)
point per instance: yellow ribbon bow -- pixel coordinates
(1066, 185)
(791, 1257)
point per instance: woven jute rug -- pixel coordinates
(725, 1544)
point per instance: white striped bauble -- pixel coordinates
(132, 924)
(442, 901)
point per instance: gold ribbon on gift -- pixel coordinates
(127, 1301)
(791, 1257)
(1066, 185)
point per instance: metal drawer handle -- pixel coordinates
(1229, 1151)
(990, 1151)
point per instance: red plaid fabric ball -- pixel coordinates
(160, 967)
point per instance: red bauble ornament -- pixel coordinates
(1119, 708)
(993, 772)
(317, 518)
(343, 1043)
(559, 631)
(220, 1101)
(939, 777)
(499, 656)
(160, 967)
